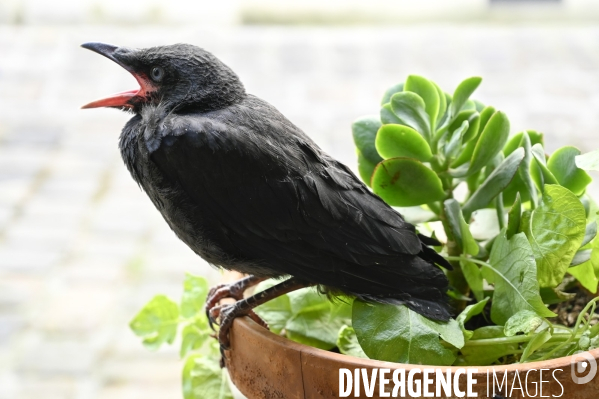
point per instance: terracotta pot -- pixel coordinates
(264, 365)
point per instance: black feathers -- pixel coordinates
(247, 190)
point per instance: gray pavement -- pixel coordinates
(82, 249)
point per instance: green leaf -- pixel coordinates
(157, 322)
(348, 344)
(585, 274)
(563, 166)
(195, 289)
(483, 355)
(525, 321)
(204, 379)
(473, 119)
(514, 272)
(514, 217)
(365, 168)
(590, 232)
(555, 230)
(552, 296)
(462, 93)
(442, 104)
(584, 255)
(406, 182)
(410, 109)
(387, 115)
(275, 312)
(397, 334)
(545, 176)
(588, 161)
(497, 181)
(390, 92)
(459, 227)
(428, 92)
(485, 116)
(455, 142)
(364, 132)
(491, 141)
(534, 344)
(307, 316)
(394, 141)
(516, 141)
(469, 312)
(474, 278)
(194, 336)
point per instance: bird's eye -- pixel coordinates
(157, 74)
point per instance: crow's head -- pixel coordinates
(180, 76)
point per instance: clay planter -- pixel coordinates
(264, 365)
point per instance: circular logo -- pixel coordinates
(583, 367)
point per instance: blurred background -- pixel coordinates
(82, 249)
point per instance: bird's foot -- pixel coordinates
(233, 290)
(226, 315)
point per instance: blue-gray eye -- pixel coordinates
(157, 74)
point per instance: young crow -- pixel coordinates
(247, 190)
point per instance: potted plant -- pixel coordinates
(516, 224)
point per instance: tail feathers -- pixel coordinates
(431, 255)
(435, 310)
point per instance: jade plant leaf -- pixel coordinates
(555, 230)
(474, 278)
(541, 173)
(397, 334)
(514, 272)
(459, 227)
(406, 182)
(473, 119)
(491, 141)
(410, 109)
(516, 141)
(428, 92)
(462, 94)
(563, 166)
(394, 141)
(157, 322)
(497, 181)
(364, 132)
(348, 344)
(390, 92)
(365, 168)
(443, 101)
(203, 378)
(387, 116)
(514, 218)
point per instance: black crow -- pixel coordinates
(247, 190)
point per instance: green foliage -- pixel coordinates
(431, 143)
(397, 334)
(406, 182)
(158, 323)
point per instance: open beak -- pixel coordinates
(122, 99)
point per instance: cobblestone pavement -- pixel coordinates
(82, 249)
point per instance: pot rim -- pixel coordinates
(249, 324)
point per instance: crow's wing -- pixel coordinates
(280, 201)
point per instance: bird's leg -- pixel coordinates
(233, 290)
(227, 313)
